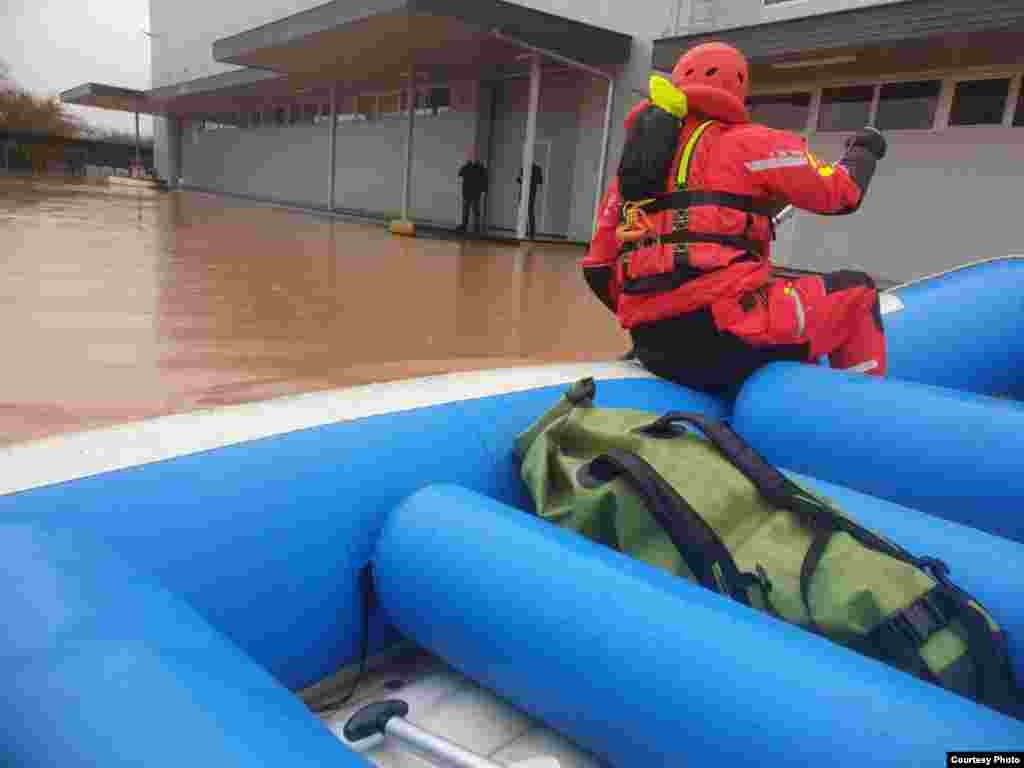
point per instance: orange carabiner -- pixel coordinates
(637, 225)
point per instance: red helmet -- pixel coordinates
(716, 81)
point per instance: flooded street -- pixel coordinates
(120, 303)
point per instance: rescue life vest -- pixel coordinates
(655, 274)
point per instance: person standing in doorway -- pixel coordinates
(537, 178)
(474, 186)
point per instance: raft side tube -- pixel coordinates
(962, 329)
(953, 454)
(266, 538)
(644, 668)
(104, 668)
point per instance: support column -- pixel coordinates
(603, 162)
(174, 131)
(404, 226)
(332, 162)
(138, 150)
(528, 145)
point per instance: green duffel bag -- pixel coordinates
(714, 512)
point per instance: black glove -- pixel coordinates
(863, 152)
(871, 139)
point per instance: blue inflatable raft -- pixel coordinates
(185, 591)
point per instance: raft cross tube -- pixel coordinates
(590, 642)
(387, 717)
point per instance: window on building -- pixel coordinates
(280, 116)
(908, 106)
(1018, 116)
(845, 109)
(309, 113)
(787, 112)
(257, 119)
(979, 102)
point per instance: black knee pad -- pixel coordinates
(599, 278)
(851, 278)
(847, 278)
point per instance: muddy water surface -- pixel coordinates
(119, 303)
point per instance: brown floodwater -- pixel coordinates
(119, 303)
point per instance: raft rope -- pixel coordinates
(366, 584)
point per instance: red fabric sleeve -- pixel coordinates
(779, 165)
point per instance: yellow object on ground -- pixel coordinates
(403, 227)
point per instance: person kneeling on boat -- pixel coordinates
(682, 247)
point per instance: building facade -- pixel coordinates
(307, 103)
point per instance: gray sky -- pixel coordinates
(53, 45)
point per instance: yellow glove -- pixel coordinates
(667, 96)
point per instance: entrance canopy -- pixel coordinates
(444, 39)
(372, 47)
(107, 97)
(204, 95)
(902, 36)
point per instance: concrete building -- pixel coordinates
(308, 103)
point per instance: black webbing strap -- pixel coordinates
(687, 198)
(776, 488)
(669, 281)
(698, 544)
(902, 635)
(822, 536)
(997, 685)
(771, 483)
(685, 236)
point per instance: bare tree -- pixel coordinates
(23, 111)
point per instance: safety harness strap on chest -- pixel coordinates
(687, 198)
(683, 199)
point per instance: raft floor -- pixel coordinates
(448, 704)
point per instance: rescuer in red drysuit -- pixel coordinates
(689, 274)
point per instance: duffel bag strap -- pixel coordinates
(998, 687)
(902, 635)
(774, 486)
(700, 547)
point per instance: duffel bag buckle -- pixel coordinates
(581, 391)
(920, 620)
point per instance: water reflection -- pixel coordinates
(132, 303)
